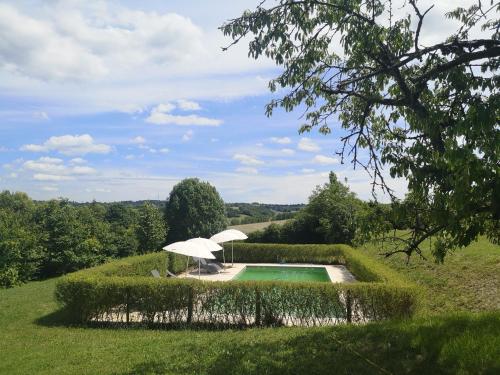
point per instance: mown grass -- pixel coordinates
(249, 228)
(34, 340)
(469, 279)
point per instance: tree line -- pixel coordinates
(40, 239)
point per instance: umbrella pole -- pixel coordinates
(223, 256)
(199, 266)
(187, 265)
(232, 254)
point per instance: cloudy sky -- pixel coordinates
(120, 100)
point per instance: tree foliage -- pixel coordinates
(428, 113)
(194, 209)
(152, 229)
(331, 216)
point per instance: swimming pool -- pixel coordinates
(260, 273)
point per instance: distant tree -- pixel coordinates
(152, 229)
(194, 209)
(331, 214)
(427, 112)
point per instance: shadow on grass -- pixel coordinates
(447, 345)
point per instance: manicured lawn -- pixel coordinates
(469, 279)
(33, 341)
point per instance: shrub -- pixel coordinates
(123, 291)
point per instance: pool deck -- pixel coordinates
(337, 274)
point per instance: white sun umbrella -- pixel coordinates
(226, 236)
(190, 249)
(208, 244)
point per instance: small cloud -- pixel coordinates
(161, 115)
(307, 170)
(3, 149)
(325, 160)
(187, 136)
(82, 170)
(288, 151)
(260, 144)
(213, 140)
(307, 144)
(69, 145)
(77, 161)
(40, 115)
(281, 141)
(138, 140)
(247, 159)
(152, 150)
(247, 170)
(51, 177)
(164, 150)
(187, 105)
(50, 188)
(130, 157)
(13, 175)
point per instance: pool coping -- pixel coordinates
(336, 273)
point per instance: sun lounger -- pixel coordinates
(156, 274)
(208, 267)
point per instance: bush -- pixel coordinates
(123, 291)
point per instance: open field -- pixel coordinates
(249, 228)
(469, 279)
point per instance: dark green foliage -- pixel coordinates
(152, 229)
(331, 216)
(43, 239)
(123, 287)
(20, 250)
(194, 209)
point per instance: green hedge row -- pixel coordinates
(124, 292)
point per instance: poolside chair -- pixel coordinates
(209, 267)
(156, 274)
(170, 274)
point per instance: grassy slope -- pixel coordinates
(249, 228)
(32, 342)
(32, 339)
(469, 280)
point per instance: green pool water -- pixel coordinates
(318, 274)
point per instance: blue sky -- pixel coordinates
(121, 100)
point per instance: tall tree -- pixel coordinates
(194, 209)
(427, 112)
(152, 229)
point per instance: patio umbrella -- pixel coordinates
(190, 249)
(226, 236)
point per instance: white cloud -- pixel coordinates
(188, 105)
(187, 136)
(247, 170)
(41, 115)
(77, 161)
(307, 144)
(82, 170)
(288, 151)
(325, 160)
(50, 188)
(307, 170)
(130, 157)
(163, 150)
(138, 140)
(247, 159)
(160, 115)
(51, 177)
(282, 140)
(69, 145)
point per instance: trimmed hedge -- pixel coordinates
(124, 292)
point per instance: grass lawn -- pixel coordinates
(469, 279)
(249, 228)
(34, 339)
